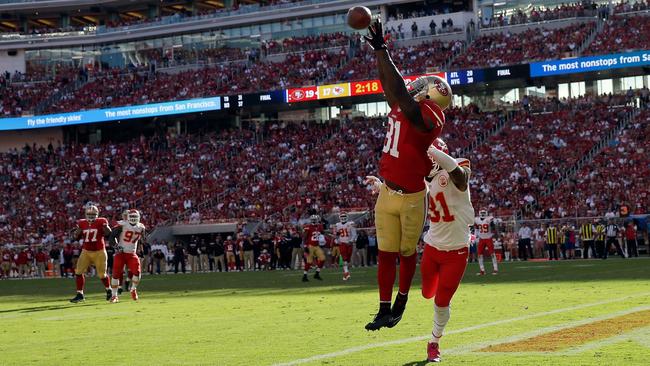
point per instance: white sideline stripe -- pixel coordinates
(480, 345)
(456, 331)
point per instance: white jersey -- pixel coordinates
(484, 227)
(450, 213)
(130, 236)
(346, 233)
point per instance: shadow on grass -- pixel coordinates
(416, 363)
(288, 283)
(35, 309)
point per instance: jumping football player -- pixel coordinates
(346, 234)
(445, 256)
(485, 232)
(92, 231)
(313, 250)
(415, 120)
(127, 236)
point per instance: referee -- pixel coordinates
(600, 239)
(552, 242)
(587, 237)
(612, 233)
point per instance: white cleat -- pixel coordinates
(114, 300)
(346, 276)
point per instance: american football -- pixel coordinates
(316, 182)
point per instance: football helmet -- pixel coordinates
(433, 88)
(314, 219)
(133, 217)
(482, 214)
(441, 145)
(343, 217)
(92, 213)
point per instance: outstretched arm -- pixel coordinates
(392, 81)
(459, 175)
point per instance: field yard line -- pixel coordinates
(476, 346)
(456, 331)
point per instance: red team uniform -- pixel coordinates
(312, 233)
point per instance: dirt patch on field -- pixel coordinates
(575, 336)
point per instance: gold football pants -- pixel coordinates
(399, 219)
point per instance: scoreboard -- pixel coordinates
(249, 100)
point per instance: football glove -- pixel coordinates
(375, 37)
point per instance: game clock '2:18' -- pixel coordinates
(366, 87)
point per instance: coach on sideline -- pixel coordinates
(524, 242)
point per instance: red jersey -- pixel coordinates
(6, 256)
(92, 233)
(404, 160)
(229, 246)
(312, 231)
(22, 258)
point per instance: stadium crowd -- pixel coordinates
(622, 34)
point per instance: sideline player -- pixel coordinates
(447, 242)
(346, 235)
(313, 250)
(415, 120)
(127, 236)
(92, 230)
(485, 232)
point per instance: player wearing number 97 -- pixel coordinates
(415, 120)
(447, 241)
(127, 235)
(92, 231)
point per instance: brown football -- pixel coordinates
(359, 17)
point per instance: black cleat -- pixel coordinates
(397, 310)
(109, 294)
(317, 276)
(382, 319)
(78, 298)
(304, 278)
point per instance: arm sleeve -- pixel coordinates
(445, 161)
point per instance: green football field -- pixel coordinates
(559, 313)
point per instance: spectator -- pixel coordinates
(630, 240)
(372, 249)
(193, 254)
(524, 244)
(414, 30)
(432, 27)
(362, 248)
(179, 257)
(219, 262)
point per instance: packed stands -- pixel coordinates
(531, 45)
(538, 14)
(618, 175)
(621, 34)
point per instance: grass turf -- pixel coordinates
(272, 318)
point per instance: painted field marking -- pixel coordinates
(576, 335)
(483, 346)
(456, 331)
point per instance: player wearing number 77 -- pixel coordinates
(415, 120)
(92, 230)
(447, 241)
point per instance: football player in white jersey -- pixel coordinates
(485, 232)
(346, 235)
(126, 237)
(447, 241)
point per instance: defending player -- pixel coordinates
(127, 236)
(485, 232)
(92, 230)
(346, 235)
(445, 256)
(313, 251)
(415, 120)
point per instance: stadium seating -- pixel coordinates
(526, 15)
(531, 45)
(622, 34)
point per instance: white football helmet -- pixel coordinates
(133, 217)
(431, 87)
(92, 213)
(483, 214)
(343, 217)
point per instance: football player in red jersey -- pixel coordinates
(313, 251)
(92, 231)
(415, 121)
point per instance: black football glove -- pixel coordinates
(375, 37)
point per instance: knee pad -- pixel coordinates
(115, 282)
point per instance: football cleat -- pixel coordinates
(397, 310)
(120, 290)
(134, 295)
(109, 294)
(114, 300)
(346, 276)
(382, 319)
(433, 352)
(494, 273)
(78, 298)
(304, 278)
(317, 276)
(482, 273)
